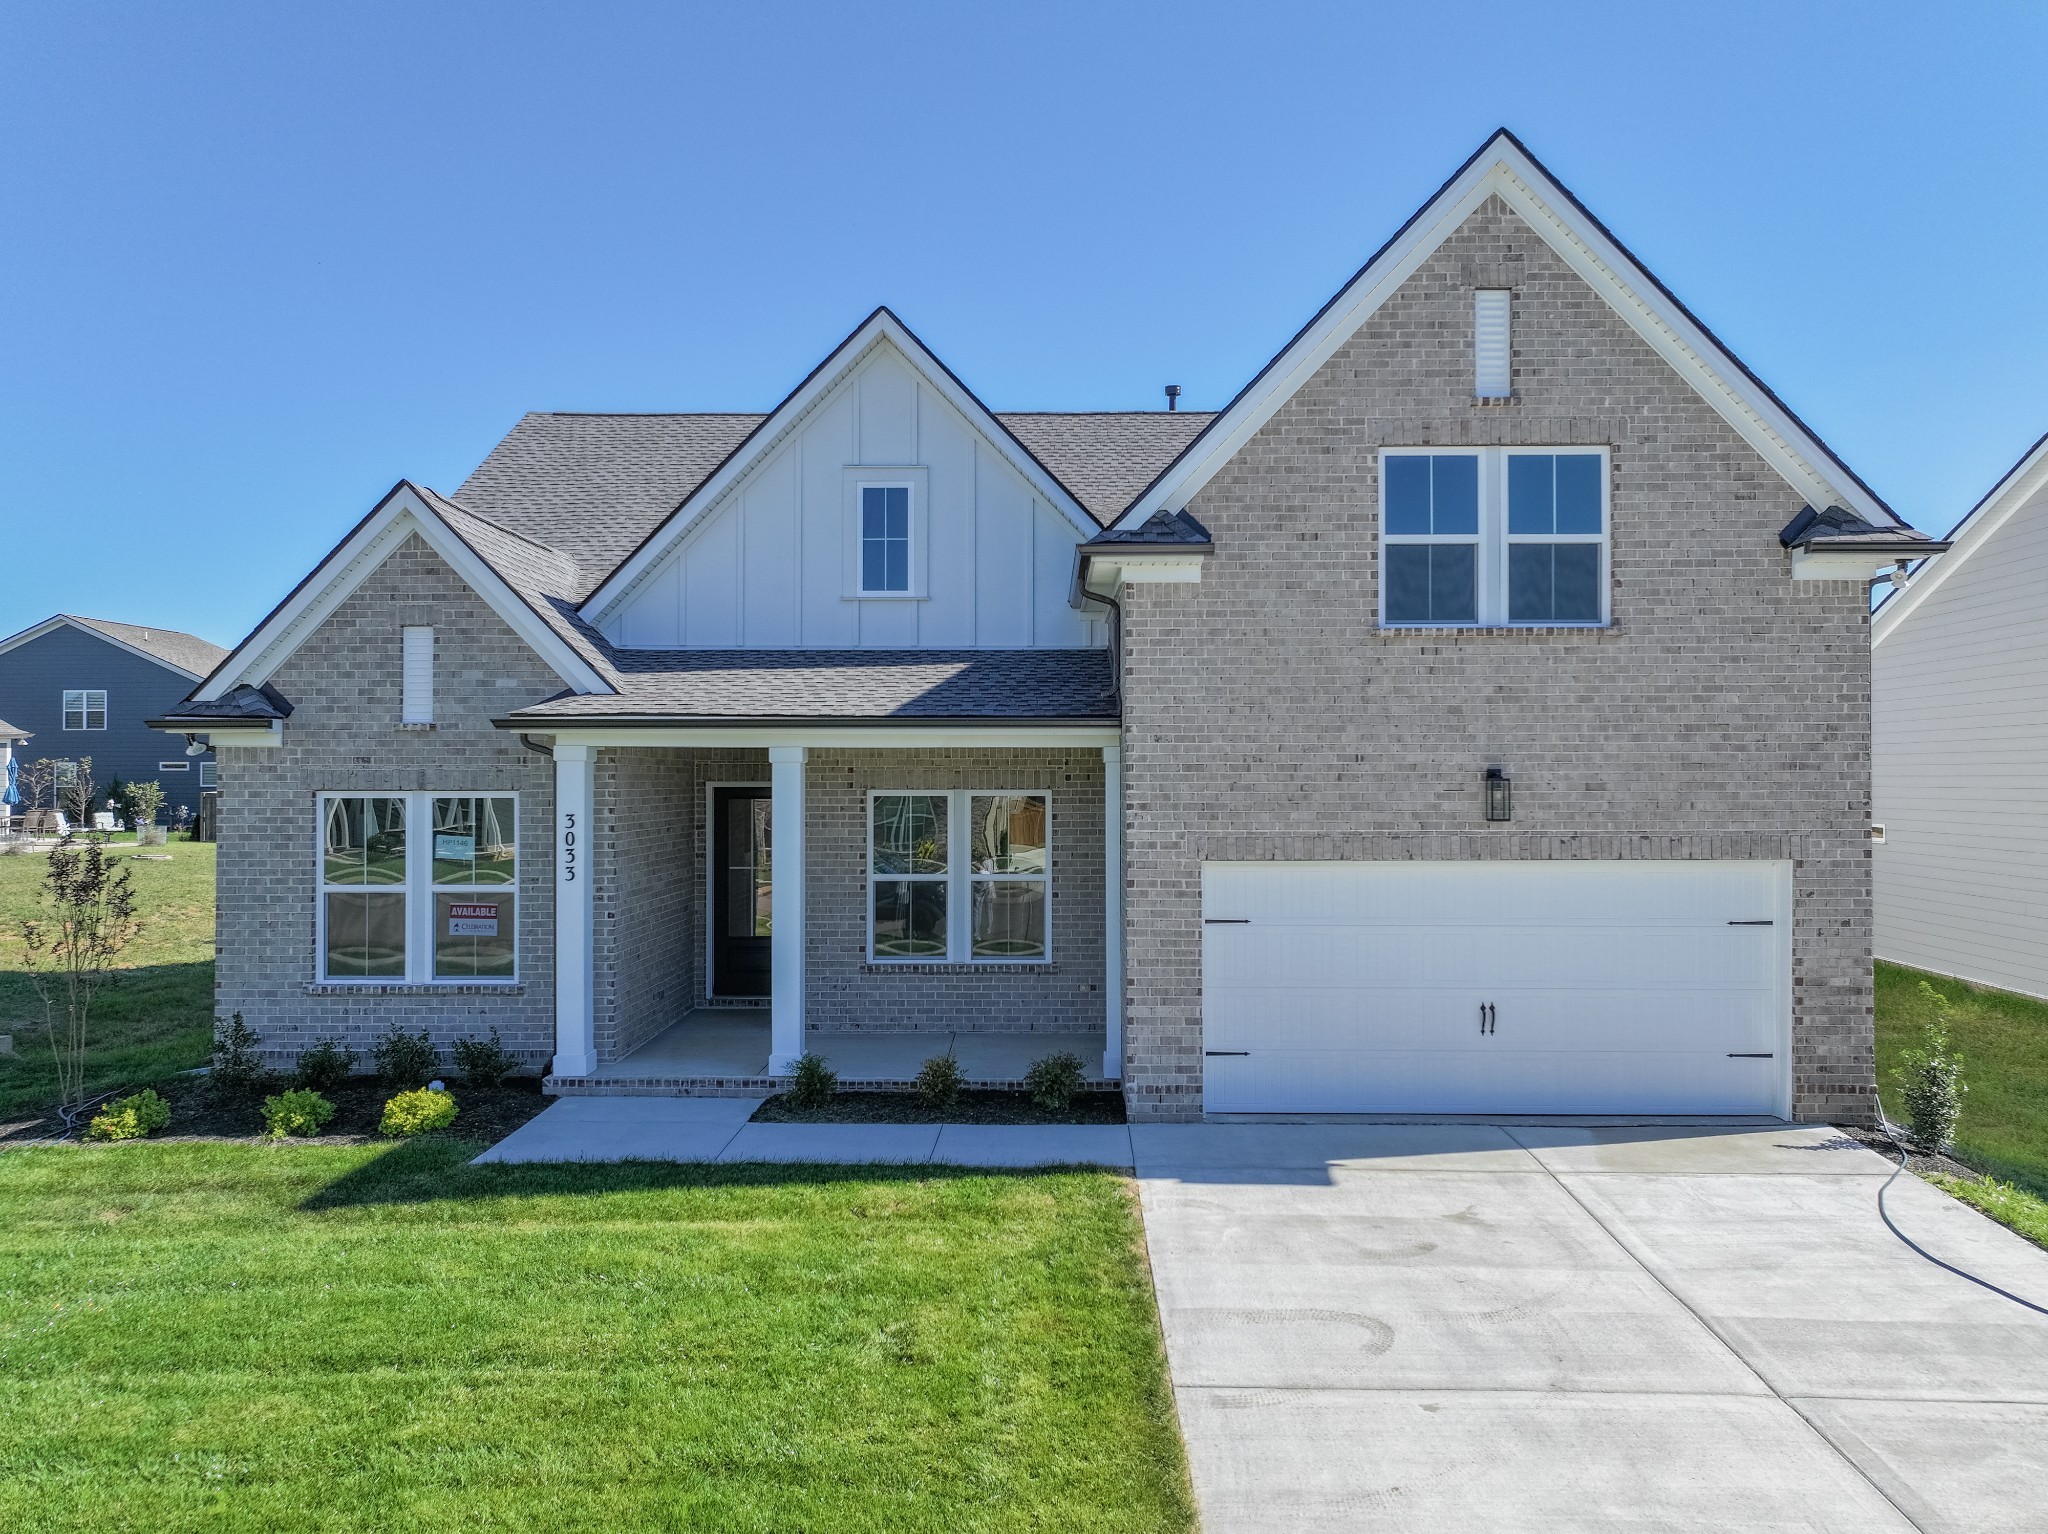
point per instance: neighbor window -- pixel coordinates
(961, 876)
(181, 766)
(209, 772)
(1494, 537)
(85, 708)
(885, 538)
(438, 905)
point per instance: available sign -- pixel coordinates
(473, 920)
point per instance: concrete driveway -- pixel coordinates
(1460, 1326)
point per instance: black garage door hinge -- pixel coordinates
(1733, 1055)
(1226, 1051)
(1226, 921)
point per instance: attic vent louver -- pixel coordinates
(1492, 376)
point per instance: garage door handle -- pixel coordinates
(1489, 1017)
(1734, 1056)
(1226, 1051)
(1752, 924)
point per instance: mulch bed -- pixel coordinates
(199, 1113)
(971, 1108)
(1917, 1160)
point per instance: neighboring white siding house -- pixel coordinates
(1960, 736)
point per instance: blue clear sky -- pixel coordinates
(261, 261)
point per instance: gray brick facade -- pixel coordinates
(344, 736)
(1724, 714)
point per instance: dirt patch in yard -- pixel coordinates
(972, 1108)
(485, 1114)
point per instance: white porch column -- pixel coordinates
(575, 985)
(786, 907)
(1113, 909)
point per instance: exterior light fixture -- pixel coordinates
(1500, 794)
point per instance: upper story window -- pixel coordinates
(1488, 537)
(885, 539)
(85, 708)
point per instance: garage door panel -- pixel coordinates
(1614, 987)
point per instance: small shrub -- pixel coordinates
(812, 1082)
(130, 1118)
(299, 1112)
(1930, 1079)
(939, 1081)
(325, 1066)
(1055, 1081)
(237, 1067)
(414, 1113)
(484, 1062)
(405, 1059)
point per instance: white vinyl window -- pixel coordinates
(419, 888)
(85, 708)
(416, 703)
(959, 876)
(177, 766)
(1493, 537)
(885, 540)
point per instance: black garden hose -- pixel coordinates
(1885, 1215)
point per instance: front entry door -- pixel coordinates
(741, 891)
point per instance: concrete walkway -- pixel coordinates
(1458, 1326)
(716, 1129)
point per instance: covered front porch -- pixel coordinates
(733, 895)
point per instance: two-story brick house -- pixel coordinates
(1473, 716)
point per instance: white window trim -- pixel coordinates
(959, 879)
(1492, 539)
(418, 890)
(86, 708)
(174, 766)
(912, 477)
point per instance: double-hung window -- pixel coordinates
(85, 708)
(885, 540)
(960, 876)
(418, 887)
(1493, 537)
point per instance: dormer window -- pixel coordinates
(885, 540)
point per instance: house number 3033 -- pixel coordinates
(569, 847)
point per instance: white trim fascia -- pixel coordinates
(268, 732)
(1109, 568)
(65, 620)
(2026, 479)
(1822, 563)
(1519, 182)
(256, 659)
(899, 737)
(882, 327)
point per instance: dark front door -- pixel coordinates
(741, 887)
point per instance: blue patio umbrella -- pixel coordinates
(11, 794)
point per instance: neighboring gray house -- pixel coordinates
(1959, 661)
(1471, 717)
(83, 687)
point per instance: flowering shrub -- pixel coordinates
(414, 1113)
(130, 1118)
(299, 1112)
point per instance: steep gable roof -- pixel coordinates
(186, 654)
(881, 329)
(1503, 167)
(478, 552)
(2020, 486)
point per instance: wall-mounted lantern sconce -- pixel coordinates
(1500, 794)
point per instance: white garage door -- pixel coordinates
(1584, 987)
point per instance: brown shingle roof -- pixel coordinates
(876, 685)
(594, 486)
(188, 652)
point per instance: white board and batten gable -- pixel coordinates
(766, 553)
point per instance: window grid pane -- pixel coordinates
(1009, 918)
(885, 538)
(474, 934)
(910, 834)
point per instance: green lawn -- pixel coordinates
(158, 1016)
(2004, 1042)
(336, 1338)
